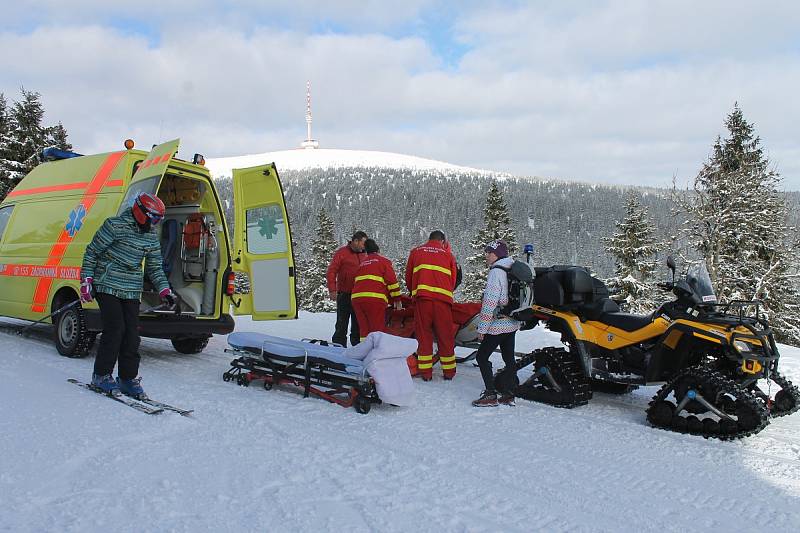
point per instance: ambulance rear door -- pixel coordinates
(262, 246)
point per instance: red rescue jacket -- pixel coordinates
(342, 270)
(431, 272)
(375, 278)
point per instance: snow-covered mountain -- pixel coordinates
(302, 159)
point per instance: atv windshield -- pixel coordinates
(698, 279)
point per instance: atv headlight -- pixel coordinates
(746, 348)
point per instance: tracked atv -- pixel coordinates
(718, 363)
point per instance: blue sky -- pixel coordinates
(608, 91)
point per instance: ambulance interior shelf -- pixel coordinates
(191, 259)
(188, 246)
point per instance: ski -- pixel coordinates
(130, 402)
(164, 406)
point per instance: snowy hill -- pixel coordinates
(302, 159)
(256, 460)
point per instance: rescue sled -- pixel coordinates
(400, 322)
(374, 371)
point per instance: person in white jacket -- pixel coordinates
(494, 329)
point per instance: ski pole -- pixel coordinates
(51, 315)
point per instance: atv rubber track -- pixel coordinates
(790, 389)
(715, 381)
(565, 370)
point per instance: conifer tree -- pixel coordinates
(633, 247)
(314, 295)
(737, 221)
(27, 135)
(57, 137)
(5, 127)
(497, 225)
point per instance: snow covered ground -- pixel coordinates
(300, 159)
(253, 460)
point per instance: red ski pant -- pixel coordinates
(371, 315)
(434, 317)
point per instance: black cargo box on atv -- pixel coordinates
(574, 288)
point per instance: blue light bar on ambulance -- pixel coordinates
(54, 154)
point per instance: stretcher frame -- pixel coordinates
(316, 376)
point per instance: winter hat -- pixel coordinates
(498, 248)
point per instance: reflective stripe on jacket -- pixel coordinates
(431, 272)
(375, 278)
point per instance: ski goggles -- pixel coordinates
(154, 218)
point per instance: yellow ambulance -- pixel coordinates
(47, 221)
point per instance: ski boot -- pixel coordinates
(132, 388)
(105, 384)
(487, 399)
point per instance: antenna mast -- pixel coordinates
(309, 143)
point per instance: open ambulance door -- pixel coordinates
(149, 173)
(263, 245)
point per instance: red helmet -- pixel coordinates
(148, 207)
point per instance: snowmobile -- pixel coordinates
(718, 363)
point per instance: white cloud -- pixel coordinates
(620, 91)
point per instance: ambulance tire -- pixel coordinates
(70, 334)
(189, 345)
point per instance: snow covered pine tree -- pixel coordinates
(737, 221)
(314, 293)
(22, 137)
(633, 247)
(498, 225)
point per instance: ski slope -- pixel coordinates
(300, 159)
(256, 460)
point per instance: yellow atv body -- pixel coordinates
(717, 364)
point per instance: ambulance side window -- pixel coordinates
(5, 216)
(266, 230)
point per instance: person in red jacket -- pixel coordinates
(341, 276)
(431, 277)
(374, 289)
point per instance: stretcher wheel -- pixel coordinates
(267, 384)
(241, 379)
(226, 376)
(363, 405)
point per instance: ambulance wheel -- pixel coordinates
(189, 345)
(69, 331)
(363, 405)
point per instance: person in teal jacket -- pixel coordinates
(112, 272)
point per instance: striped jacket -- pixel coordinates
(431, 272)
(114, 258)
(496, 295)
(375, 278)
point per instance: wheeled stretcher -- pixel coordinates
(372, 372)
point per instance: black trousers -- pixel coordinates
(345, 315)
(120, 339)
(488, 345)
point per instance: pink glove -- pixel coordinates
(86, 290)
(167, 296)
